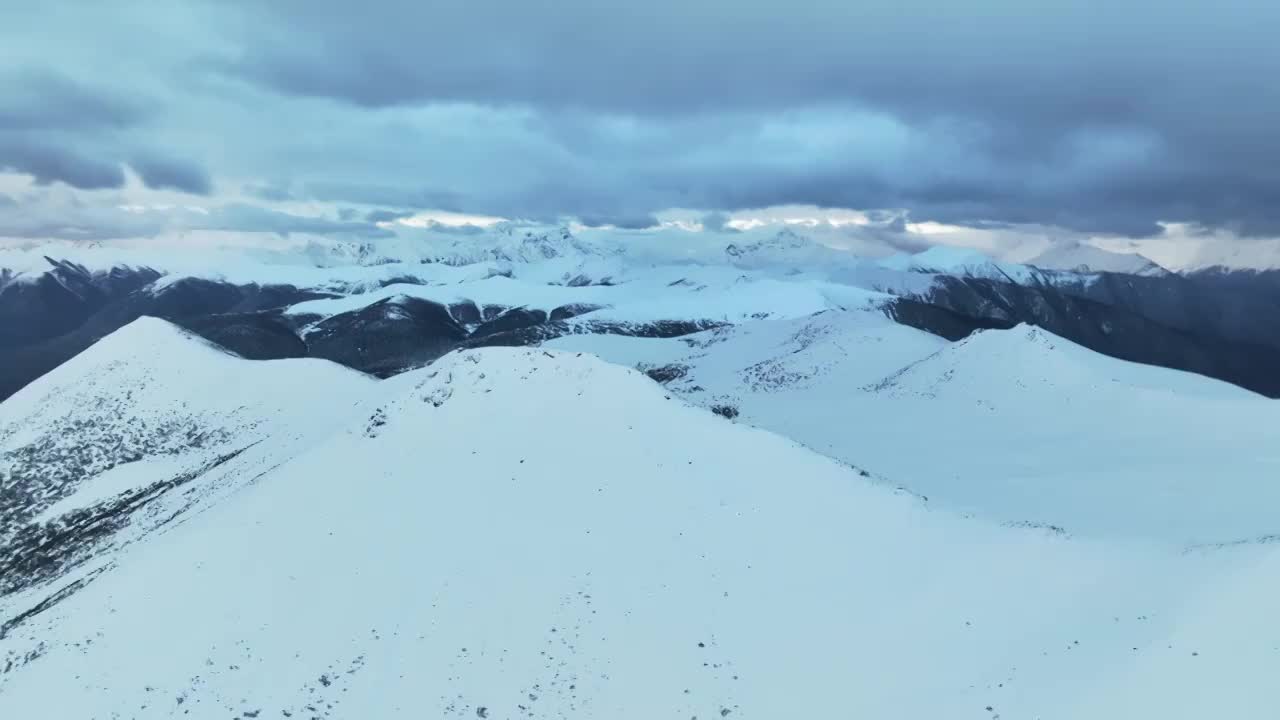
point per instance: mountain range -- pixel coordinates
(530, 475)
(387, 309)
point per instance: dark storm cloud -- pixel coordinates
(904, 242)
(439, 227)
(251, 218)
(1033, 92)
(48, 164)
(624, 222)
(1063, 63)
(377, 216)
(78, 222)
(270, 192)
(664, 56)
(383, 194)
(56, 128)
(1096, 117)
(81, 222)
(40, 99)
(161, 173)
(717, 221)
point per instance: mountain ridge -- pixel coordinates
(1220, 325)
(580, 542)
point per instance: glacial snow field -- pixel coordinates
(148, 425)
(1017, 426)
(1083, 257)
(810, 510)
(534, 532)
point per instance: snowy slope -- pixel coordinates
(948, 260)
(787, 250)
(1016, 426)
(672, 293)
(1076, 439)
(1213, 252)
(146, 425)
(1085, 258)
(153, 388)
(551, 254)
(854, 347)
(520, 533)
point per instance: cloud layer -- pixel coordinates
(1092, 117)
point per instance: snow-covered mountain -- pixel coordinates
(59, 295)
(1016, 426)
(388, 306)
(1086, 258)
(534, 532)
(1225, 255)
(139, 423)
(944, 260)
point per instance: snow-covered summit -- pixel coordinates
(1225, 255)
(788, 252)
(1085, 258)
(784, 241)
(1027, 356)
(527, 533)
(77, 280)
(1013, 425)
(951, 260)
(152, 391)
(502, 243)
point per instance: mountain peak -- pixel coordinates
(1081, 257)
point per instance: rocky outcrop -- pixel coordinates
(387, 337)
(89, 307)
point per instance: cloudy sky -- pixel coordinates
(1118, 118)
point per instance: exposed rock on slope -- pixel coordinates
(527, 533)
(130, 433)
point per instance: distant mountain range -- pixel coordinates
(388, 308)
(535, 475)
(1012, 523)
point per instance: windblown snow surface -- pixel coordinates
(1018, 426)
(535, 532)
(1082, 257)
